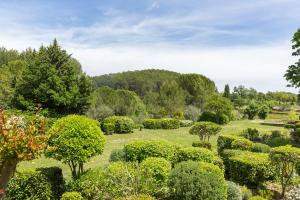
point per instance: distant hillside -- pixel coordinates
(140, 81)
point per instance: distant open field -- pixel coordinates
(179, 136)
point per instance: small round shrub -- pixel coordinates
(169, 123)
(196, 154)
(207, 116)
(262, 148)
(225, 141)
(29, 185)
(278, 141)
(141, 149)
(251, 134)
(71, 196)
(204, 130)
(152, 124)
(222, 119)
(242, 144)
(158, 168)
(137, 197)
(117, 155)
(197, 180)
(119, 124)
(233, 191)
(186, 123)
(203, 144)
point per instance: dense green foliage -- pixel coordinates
(203, 144)
(163, 123)
(242, 144)
(105, 102)
(248, 168)
(219, 105)
(33, 185)
(71, 196)
(233, 191)
(142, 149)
(214, 117)
(197, 180)
(205, 130)
(74, 140)
(117, 124)
(54, 80)
(196, 154)
(225, 141)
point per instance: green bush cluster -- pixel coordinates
(203, 144)
(117, 124)
(30, 185)
(257, 198)
(71, 196)
(197, 180)
(44, 183)
(225, 141)
(117, 155)
(196, 154)
(137, 197)
(248, 168)
(233, 191)
(141, 149)
(163, 123)
(186, 123)
(262, 148)
(213, 117)
(242, 144)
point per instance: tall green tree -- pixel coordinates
(219, 105)
(292, 75)
(227, 91)
(53, 80)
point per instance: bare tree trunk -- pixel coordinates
(8, 168)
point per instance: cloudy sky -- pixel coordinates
(230, 41)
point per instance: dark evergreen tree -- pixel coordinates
(226, 91)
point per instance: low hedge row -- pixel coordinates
(117, 124)
(248, 168)
(163, 123)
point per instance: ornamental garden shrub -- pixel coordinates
(74, 140)
(262, 148)
(186, 123)
(251, 134)
(225, 141)
(56, 180)
(218, 118)
(141, 149)
(204, 130)
(137, 197)
(249, 168)
(163, 123)
(242, 144)
(117, 124)
(29, 185)
(196, 154)
(203, 144)
(117, 155)
(71, 196)
(197, 180)
(233, 191)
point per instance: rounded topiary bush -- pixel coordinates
(152, 124)
(141, 149)
(71, 196)
(242, 144)
(233, 191)
(169, 123)
(225, 141)
(74, 140)
(203, 144)
(117, 124)
(30, 185)
(197, 180)
(196, 154)
(158, 168)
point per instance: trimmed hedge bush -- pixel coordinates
(117, 124)
(248, 168)
(30, 185)
(233, 191)
(197, 180)
(142, 149)
(203, 144)
(196, 154)
(71, 196)
(158, 168)
(225, 141)
(213, 117)
(163, 123)
(242, 144)
(204, 130)
(186, 123)
(262, 148)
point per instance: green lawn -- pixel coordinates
(117, 141)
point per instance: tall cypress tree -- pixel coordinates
(227, 91)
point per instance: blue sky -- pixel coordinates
(231, 41)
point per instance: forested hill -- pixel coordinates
(139, 81)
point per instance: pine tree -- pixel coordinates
(227, 91)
